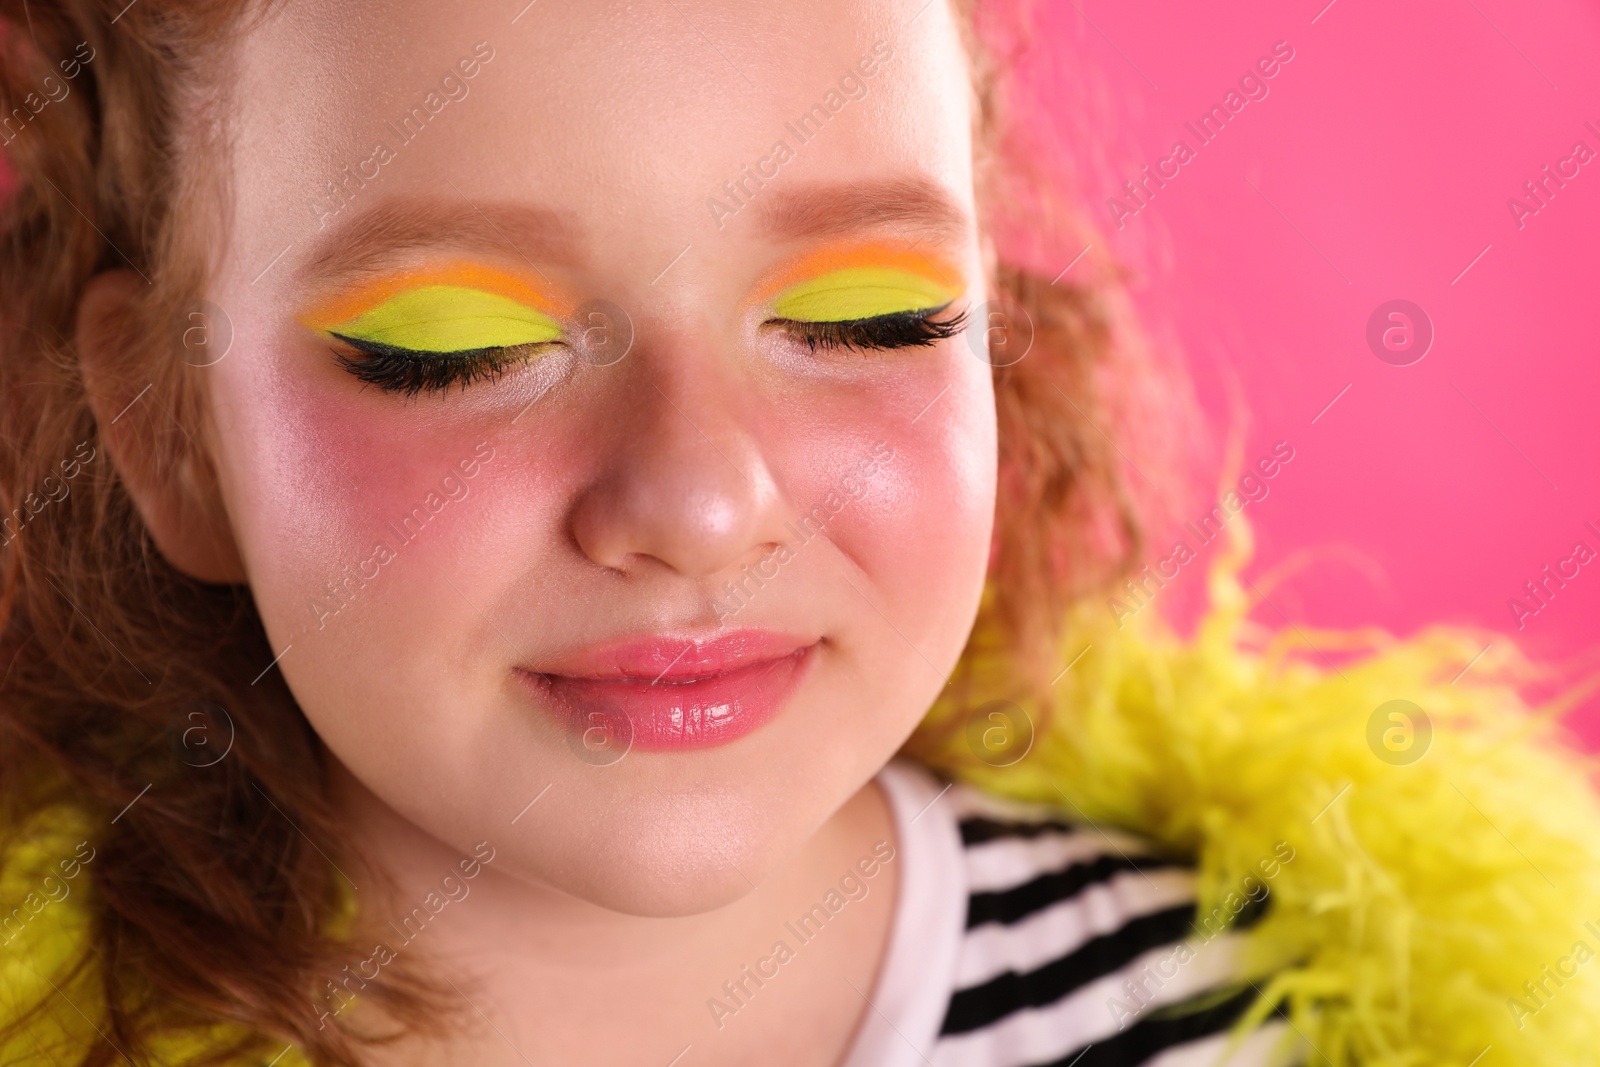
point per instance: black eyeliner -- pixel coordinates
(902, 329)
(412, 371)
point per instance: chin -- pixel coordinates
(633, 890)
(651, 853)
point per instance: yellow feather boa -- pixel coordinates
(1442, 911)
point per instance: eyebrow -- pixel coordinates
(915, 207)
(373, 240)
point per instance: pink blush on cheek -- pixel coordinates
(325, 491)
(918, 525)
(921, 514)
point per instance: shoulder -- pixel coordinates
(1083, 940)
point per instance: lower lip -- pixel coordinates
(663, 716)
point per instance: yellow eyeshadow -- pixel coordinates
(450, 318)
(860, 293)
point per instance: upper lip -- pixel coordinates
(672, 658)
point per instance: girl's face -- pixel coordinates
(662, 556)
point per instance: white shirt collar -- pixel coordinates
(912, 991)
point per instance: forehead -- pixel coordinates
(646, 124)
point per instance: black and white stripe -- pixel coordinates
(1070, 956)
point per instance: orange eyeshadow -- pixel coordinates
(872, 254)
(464, 274)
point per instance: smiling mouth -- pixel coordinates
(659, 694)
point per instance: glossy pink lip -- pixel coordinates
(657, 693)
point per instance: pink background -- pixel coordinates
(1388, 148)
(1382, 159)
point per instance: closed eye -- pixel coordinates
(900, 329)
(410, 371)
(430, 337)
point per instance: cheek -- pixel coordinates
(928, 509)
(340, 499)
(920, 529)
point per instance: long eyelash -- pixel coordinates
(904, 329)
(412, 372)
(409, 371)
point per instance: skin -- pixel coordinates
(618, 499)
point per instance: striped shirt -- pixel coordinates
(1022, 941)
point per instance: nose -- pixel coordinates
(688, 487)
